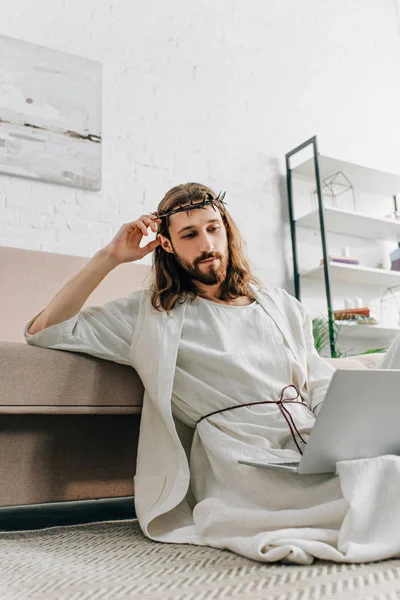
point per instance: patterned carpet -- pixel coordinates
(113, 561)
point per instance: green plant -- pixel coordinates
(320, 326)
(321, 334)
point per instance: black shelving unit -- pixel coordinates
(296, 273)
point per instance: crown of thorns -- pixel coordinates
(208, 199)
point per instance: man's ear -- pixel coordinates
(165, 243)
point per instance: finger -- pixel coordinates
(155, 216)
(150, 247)
(155, 224)
(142, 227)
(149, 223)
(136, 223)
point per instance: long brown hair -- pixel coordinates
(170, 283)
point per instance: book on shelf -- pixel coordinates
(346, 260)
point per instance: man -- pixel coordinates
(230, 372)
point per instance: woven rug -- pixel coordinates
(113, 560)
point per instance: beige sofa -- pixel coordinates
(69, 422)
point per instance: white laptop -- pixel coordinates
(359, 418)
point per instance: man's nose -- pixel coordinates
(206, 243)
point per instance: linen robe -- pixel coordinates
(131, 331)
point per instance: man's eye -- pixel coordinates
(193, 233)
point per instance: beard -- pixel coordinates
(209, 274)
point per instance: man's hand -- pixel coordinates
(125, 246)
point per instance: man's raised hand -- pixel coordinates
(125, 246)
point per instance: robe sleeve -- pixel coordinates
(319, 371)
(103, 331)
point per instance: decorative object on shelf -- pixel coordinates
(355, 319)
(363, 321)
(336, 185)
(351, 313)
(355, 312)
(349, 303)
(366, 321)
(388, 295)
(353, 303)
(344, 260)
(395, 215)
(395, 259)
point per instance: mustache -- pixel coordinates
(207, 257)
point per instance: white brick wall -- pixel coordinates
(215, 92)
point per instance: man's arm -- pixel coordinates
(103, 331)
(124, 247)
(70, 299)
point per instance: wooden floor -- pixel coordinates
(65, 513)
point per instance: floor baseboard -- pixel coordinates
(51, 514)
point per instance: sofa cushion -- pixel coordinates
(361, 361)
(346, 363)
(42, 380)
(373, 360)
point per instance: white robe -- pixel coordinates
(260, 514)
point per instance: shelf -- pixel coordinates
(363, 178)
(349, 331)
(371, 182)
(352, 223)
(356, 275)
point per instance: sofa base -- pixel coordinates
(60, 458)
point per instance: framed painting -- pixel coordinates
(50, 115)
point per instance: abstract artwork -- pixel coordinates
(50, 115)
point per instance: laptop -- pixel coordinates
(359, 418)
